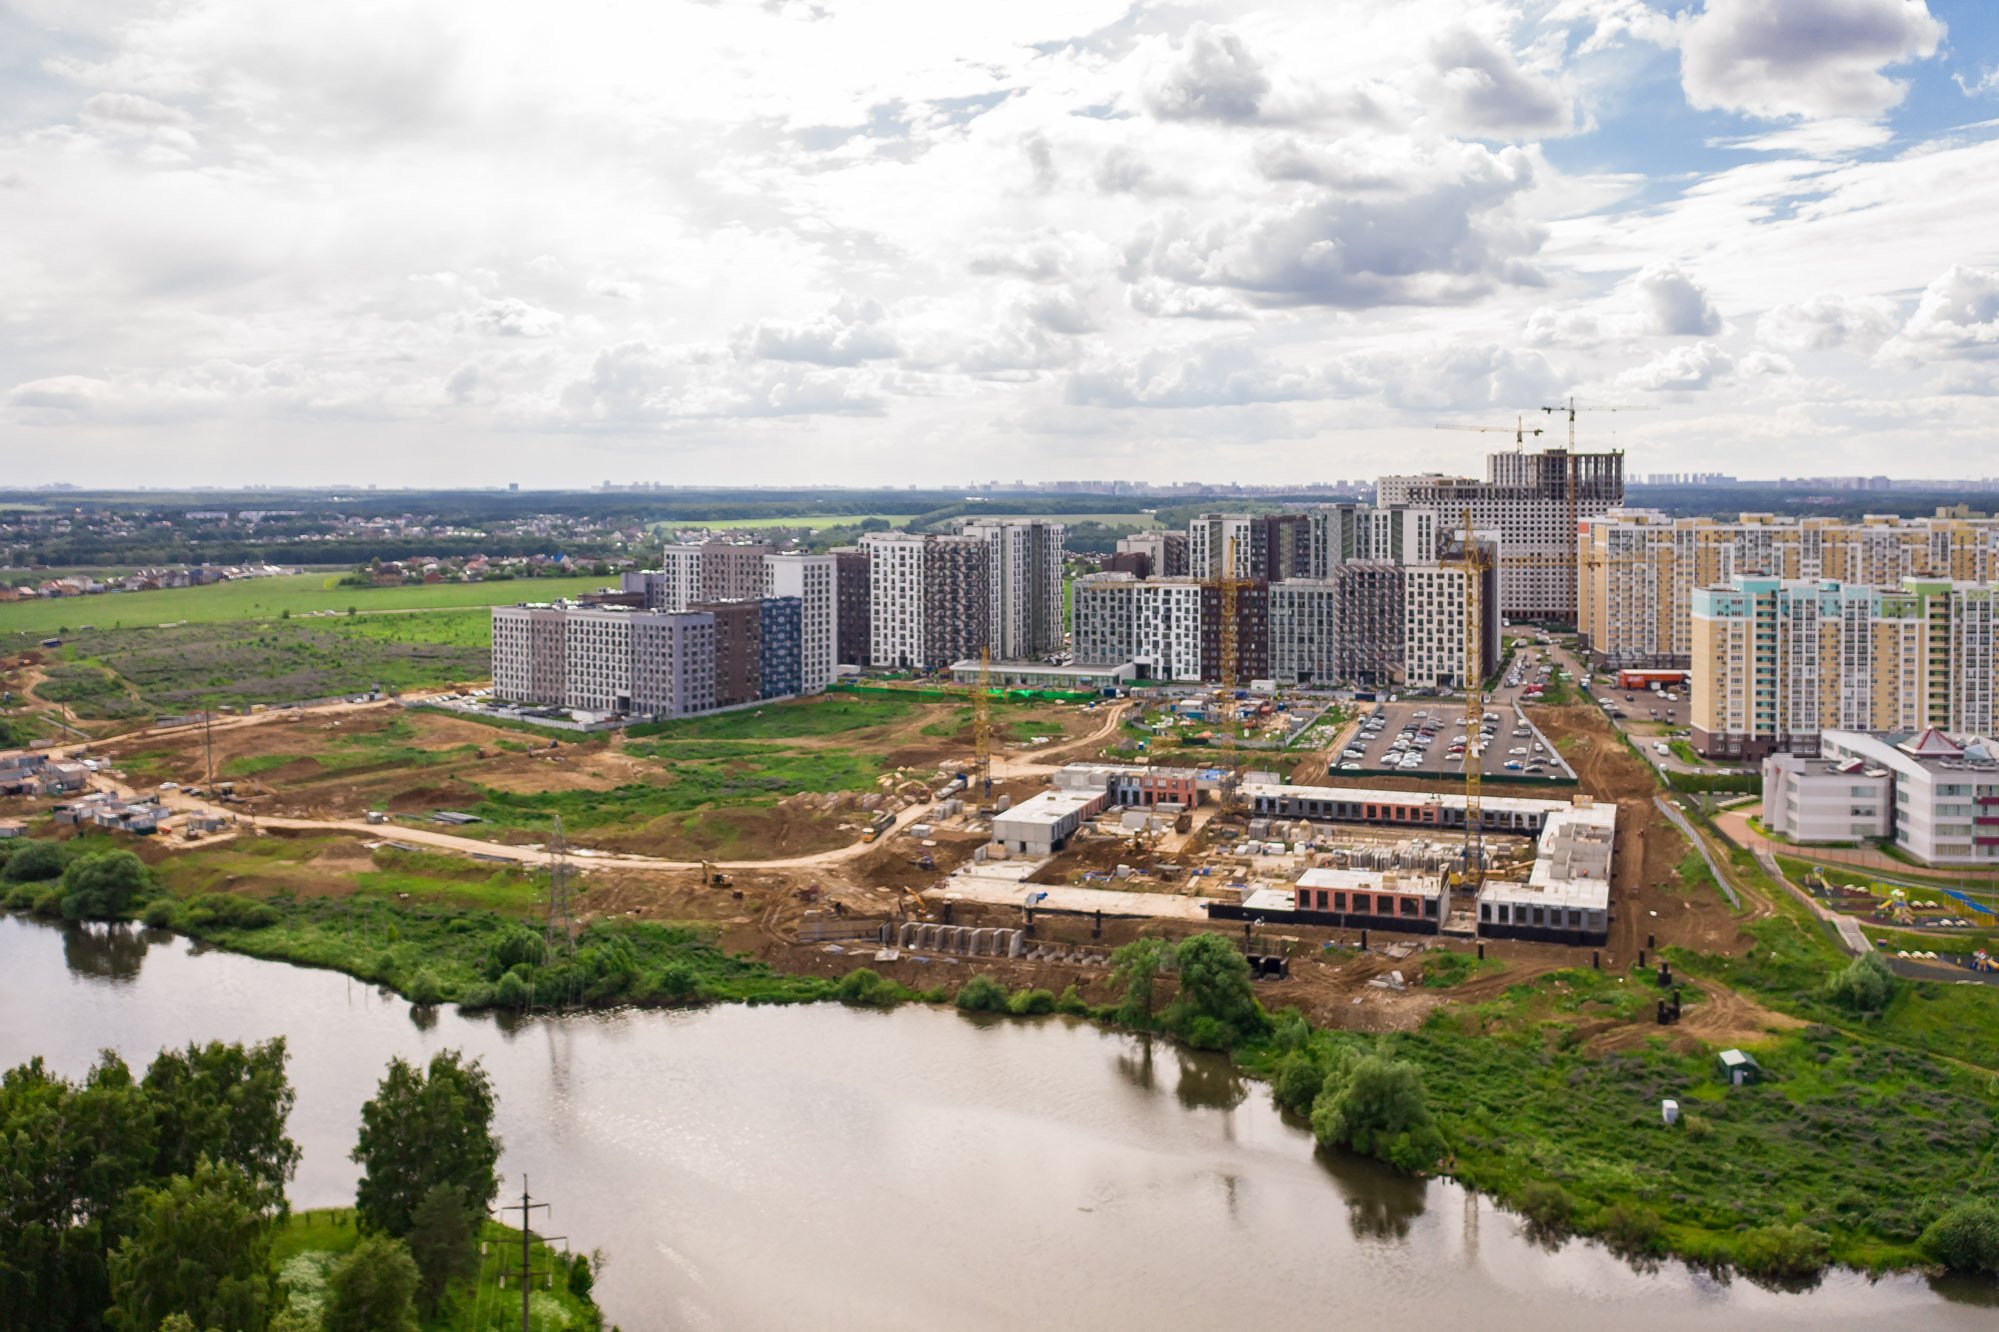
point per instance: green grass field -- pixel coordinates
(267, 599)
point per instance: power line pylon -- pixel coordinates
(527, 1271)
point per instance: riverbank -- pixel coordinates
(309, 1244)
(778, 1165)
(1547, 1095)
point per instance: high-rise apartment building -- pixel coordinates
(930, 599)
(1155, 623)
(703, 571)
(1024, 563)
(1252, 636)
(1640, 567)
(1435, 620)
(1164, 551)
(1304, 631)
(1533, 503)
(1776, 661)
(1215, 537)
(812, 580)
(1397, 534)
(853, 597)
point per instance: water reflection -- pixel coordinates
(1381, 1204)
(108, 952)
(1134, 1063)
(423, 1017)
(1208, 1081)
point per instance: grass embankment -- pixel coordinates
(391, 746)
(257, 599)
(1848, 1151)
(309, 1244)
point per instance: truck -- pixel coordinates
(1651, 679)
(881, 824)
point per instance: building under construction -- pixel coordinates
(1532, 502)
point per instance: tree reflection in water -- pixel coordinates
(108, 952)
(1208, 1081)
(1381, 1203)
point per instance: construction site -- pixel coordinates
(920, 831)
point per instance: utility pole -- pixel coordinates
(527, 1206)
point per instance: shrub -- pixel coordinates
(1547, 1205)
(1378, 1107)
(516, 947)
(867, 988)
(1784, 1252)
(1628, 1228)
(1072, 1002)
(37, 862)
(982, 994)
(677, 983)
(228, 911)
(1865, 986)
(511, 992)
(21, 897)
(1299, 1079)
(425, 989)
(1966, 1238)
(159, 913)
(48, 902)
(1031, 1003)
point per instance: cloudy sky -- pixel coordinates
(904, 241)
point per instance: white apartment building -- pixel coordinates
(1304, 631)
(813, 580)
(1212, 536)
(1024, 560)
(929, 599)
(1154, 622)
(597, 659)
(1433, 625)
(530, 651)
(1397, 534)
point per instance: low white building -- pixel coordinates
(1946, 790)
(1043, 824)
(1818, 800)
(1566, 898)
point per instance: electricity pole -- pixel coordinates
(527, 1206)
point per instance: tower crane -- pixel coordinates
(1474, 564)
(1569, 408)
(1518, 430)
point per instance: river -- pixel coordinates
(827, 1168)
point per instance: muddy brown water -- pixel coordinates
(825, 1168)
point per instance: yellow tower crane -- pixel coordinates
(1474, 564)
(982, 724)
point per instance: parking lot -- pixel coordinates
(1668, 708)
(1433, 737)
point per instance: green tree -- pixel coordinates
(1216, 1008)
(36, 862)
(200, 1246)
(1135, 969)
(423, 1129)
(1966, 1238)
(1866, 985)
(371, 1289)
(1378, 1107)
(102, 886)
(442, 1241)
(227, 1104)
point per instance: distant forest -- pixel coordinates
(1727, 501)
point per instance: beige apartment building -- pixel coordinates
(1639, 568)
(1774, 662)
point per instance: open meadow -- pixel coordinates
(258, 599)
(786, 779)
